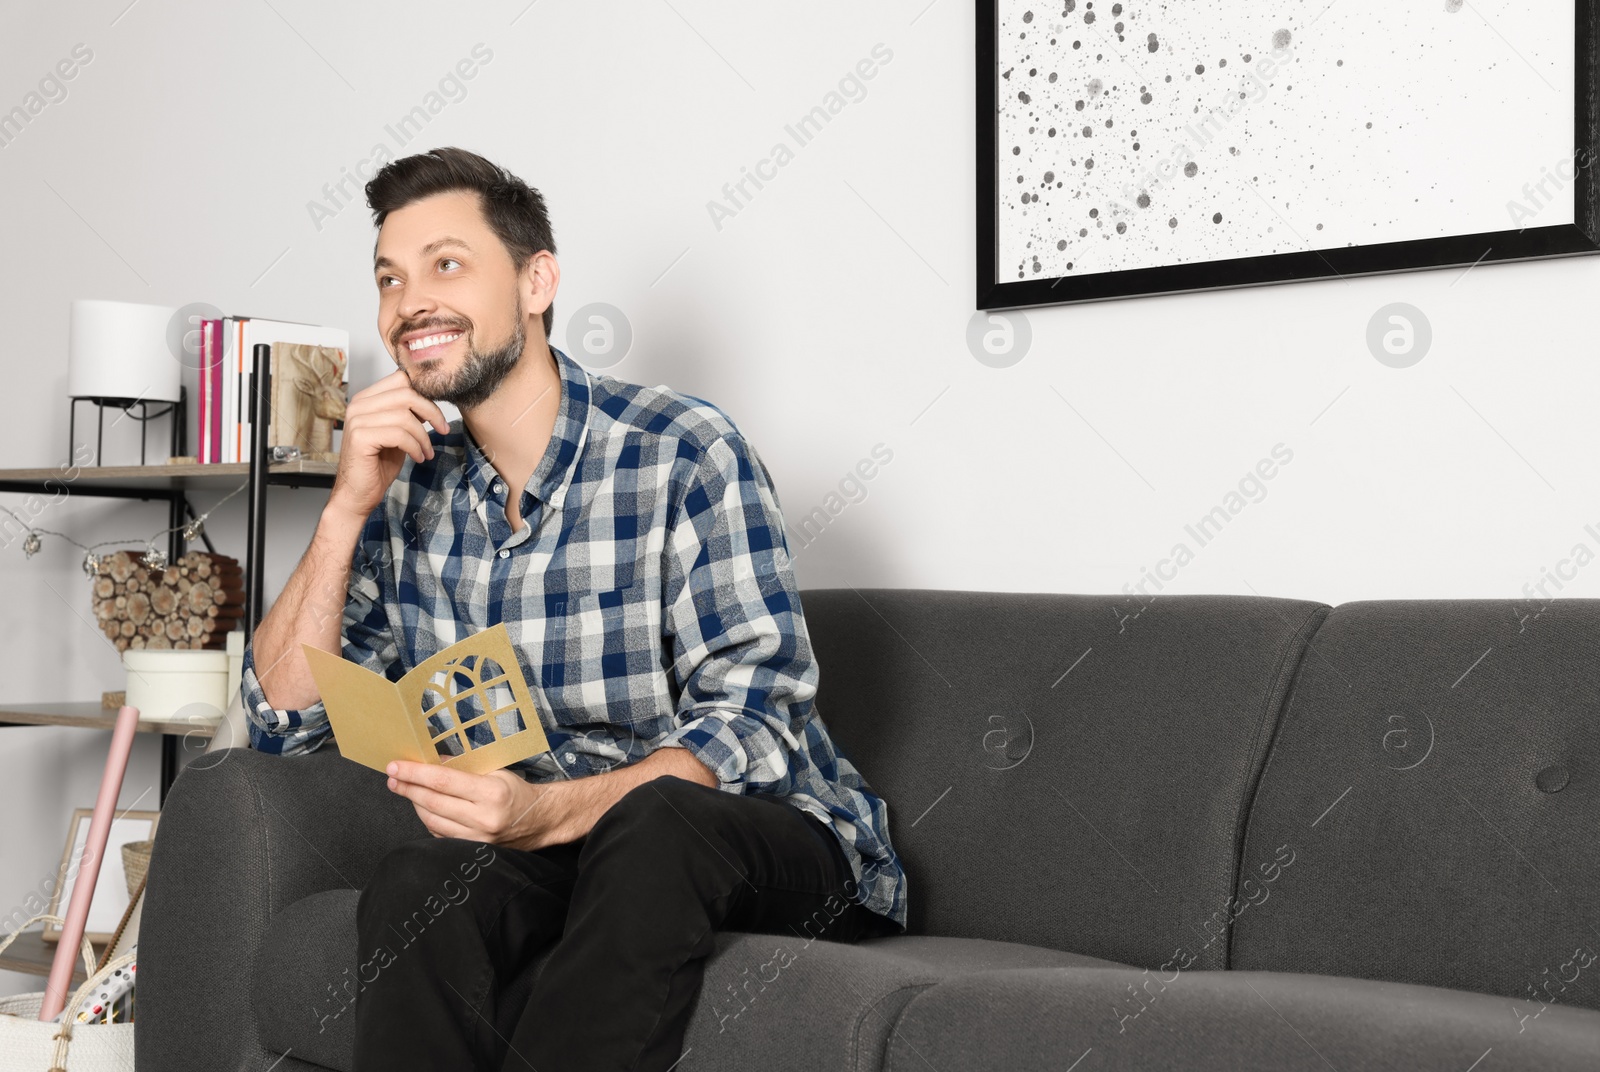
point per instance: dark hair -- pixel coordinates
(514, 210)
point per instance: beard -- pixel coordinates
(480, 374)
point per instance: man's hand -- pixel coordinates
(383, 425)
(499, 808)
(502, 808)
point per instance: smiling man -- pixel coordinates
(630, 540)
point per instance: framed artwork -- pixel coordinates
(1130, 148)
(111, 899)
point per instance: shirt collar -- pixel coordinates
(554, 473)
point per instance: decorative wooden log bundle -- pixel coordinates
(193, 603)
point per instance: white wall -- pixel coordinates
(826, 317)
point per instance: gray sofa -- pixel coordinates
(1203, 832)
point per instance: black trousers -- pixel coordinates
(632, 908)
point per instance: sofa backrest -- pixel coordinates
(1436, 779)
(1061, 770)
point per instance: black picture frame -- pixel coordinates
(1459, 251)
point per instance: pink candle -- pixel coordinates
(59, 985)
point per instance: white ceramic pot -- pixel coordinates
(177, 686)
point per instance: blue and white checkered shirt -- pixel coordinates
(649, 594)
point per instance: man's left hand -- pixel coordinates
(499, 808)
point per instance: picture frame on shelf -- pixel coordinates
(111, 899)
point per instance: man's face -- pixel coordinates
(450, 305)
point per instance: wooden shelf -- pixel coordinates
(175, 477)
(90, 715)
(32, 955)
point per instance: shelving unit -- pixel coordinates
(171, 484)
(139, 481)
(91, 716)
(32, 955)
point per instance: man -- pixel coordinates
(630, 540)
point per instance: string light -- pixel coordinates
(153, 558)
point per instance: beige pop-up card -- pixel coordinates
(442, 711)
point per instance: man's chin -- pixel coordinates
(429, 383)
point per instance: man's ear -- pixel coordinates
(541, 278)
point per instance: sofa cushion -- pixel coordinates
(828, 1004)
(1060, 770)
(1436, 776)
(1206, 1021)
(768, 1001)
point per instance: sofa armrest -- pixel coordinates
(242, 835)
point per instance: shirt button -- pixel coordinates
(498, 487)
(570, 757)
(505, 554)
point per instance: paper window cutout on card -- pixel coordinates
(466, 707)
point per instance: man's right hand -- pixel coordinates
(383, 425)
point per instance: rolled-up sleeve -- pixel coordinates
(740, 654)
(366, 639)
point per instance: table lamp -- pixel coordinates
(118, 355)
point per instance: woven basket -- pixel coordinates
(28, 1044)
(135, 862)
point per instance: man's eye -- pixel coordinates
(384, 281)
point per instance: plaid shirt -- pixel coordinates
(649, 590)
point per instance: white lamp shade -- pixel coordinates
(119, 350)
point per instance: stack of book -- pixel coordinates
(227, 369)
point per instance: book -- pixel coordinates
(215, 377)
(202, 410)
(467, 707)
(227, 430)
(209, 425)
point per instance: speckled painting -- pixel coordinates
(1146, 134)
